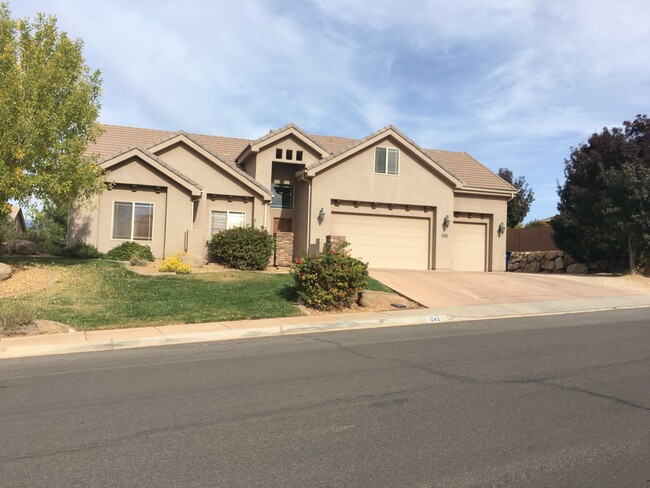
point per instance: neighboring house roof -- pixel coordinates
(459, 165)
(18, 217)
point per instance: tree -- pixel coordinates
(49, 104)
(604, 208)
(49, 227)
(519, 206)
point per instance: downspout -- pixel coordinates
(302, 177)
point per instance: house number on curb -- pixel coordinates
(433, 319)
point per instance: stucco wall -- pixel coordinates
(354, 179)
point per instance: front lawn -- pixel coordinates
(93, 294)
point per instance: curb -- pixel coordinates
(428, 317)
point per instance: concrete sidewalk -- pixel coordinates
(105, 340)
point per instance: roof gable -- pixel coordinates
(278, 134)
(371, 139)
(156, 163)
(188, 140)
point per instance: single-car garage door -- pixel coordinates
(385, 242)
(468, 251)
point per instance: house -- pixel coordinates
(397, 204)
(18, 218)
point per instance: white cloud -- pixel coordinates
(512, 80)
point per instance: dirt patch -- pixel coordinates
(151, 269)
(26, 279)
(626, 282)
(38, 327)
(377, 301)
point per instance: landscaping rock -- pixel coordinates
(380, 300)
(21, 247)
(5, 271)
(559, 264)
(548, 265)
(514, 266)
(533, 267)
(577, 268)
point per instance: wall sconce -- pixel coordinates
(321, 215)
(445, 221)
(501, 229)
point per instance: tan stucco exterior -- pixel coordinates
(186, 182)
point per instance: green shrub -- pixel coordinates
(244, 248)
(129, 249)
(331, 280)
(14, 316)
(81, 250)
(173, 264)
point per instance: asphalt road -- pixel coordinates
(560, 401)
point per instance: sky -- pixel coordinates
(515, 83)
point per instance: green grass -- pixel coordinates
(94, 294)
(375, 285)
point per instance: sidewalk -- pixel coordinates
(105, 340)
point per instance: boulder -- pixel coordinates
(577, 268)
(21, 246)
(514, 266)
(548, 265)
(533, 267)
(5, 271)
(559, 264)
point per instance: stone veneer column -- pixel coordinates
(283, 249)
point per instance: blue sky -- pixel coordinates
(515, 83)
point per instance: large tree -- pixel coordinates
(520, 204)
(604, 208)
(49, 104)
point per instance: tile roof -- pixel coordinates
(460, 164)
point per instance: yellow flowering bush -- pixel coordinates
(174, 264)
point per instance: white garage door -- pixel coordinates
(385, 242)
(468, 252)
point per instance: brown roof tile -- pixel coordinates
(116, 139)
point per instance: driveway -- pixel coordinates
(435, 289)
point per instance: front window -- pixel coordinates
(282, 196)
(133, 221)
(222, 220)
(387, 160)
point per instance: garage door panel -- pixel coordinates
(383, 241)
(469, 247)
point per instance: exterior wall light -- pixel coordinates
(501, 229)
(321, 215)
(445, 221)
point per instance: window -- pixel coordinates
(289, 153)
(133, 221)
(222, 220)
(387, 160)
(282, 196)
(298, 155)
(278, 153)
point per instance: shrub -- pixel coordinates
(173, 264)
(244, 248)
(129, 249)
(13, 317)
(331, 280)
(81, 250)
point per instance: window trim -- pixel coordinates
(227, 212)
(388, 150)
(288, 185)
(133, 204)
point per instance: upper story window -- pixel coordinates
(387, 160)
(133, 221)
(282, 196)
(278, 153)
(298, 155)
(289, 154)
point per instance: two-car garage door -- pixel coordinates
(385, 241)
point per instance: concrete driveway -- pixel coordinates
(436, 289)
